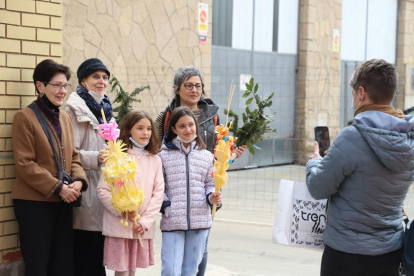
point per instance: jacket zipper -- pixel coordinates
(188, 190)
(205, 136)
(206, 120)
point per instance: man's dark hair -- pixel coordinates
(46, 70)
(379, 79)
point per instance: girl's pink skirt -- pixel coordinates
(124, 254)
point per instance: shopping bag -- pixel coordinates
(300, 219)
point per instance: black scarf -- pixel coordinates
(94, 106)
(51, 112)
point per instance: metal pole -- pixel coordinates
(252, 52)
(346, 105)
(366, 31)
(251, 62)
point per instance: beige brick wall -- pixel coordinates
(318, 94)
(405, 54)
(30, 31)
(141, 42)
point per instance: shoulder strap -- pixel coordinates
(167, 116)
(215, 120)
(43, 123)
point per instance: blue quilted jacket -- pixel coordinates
(366, 176)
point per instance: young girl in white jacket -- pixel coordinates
(122, 252)
(189, 194)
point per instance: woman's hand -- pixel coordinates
(101, 158)
(215, 198)
(240, 150)
(77, 186)
(316, 152)
(68, 194)
(138, 229)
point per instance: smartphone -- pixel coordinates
(322, 137)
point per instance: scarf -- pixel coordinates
(388, 109)
(94, 106)
(51, 112)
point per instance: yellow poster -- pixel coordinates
(336, 40)
(202, 22)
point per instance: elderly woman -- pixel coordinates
(189, 91)
(366, 175)
(41, 200)
(84, 107)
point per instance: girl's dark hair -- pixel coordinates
(129, 121)
(176, 114)
(47, 69)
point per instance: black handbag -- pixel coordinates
(62, 175)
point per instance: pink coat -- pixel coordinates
(149, 174)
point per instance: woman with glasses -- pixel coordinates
(189, 92)
(84, 107)
(41, 200)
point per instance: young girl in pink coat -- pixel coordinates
(122, 252)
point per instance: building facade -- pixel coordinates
(302, 50)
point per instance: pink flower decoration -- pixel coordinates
(109, 131)
(119, 184)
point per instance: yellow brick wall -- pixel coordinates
(30, 31)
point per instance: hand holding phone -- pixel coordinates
(322, 137)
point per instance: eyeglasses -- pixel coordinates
(98, 77)
(59, 87)
(189, 86)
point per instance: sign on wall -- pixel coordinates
(243, 80)
(335, 40)
(202, 23)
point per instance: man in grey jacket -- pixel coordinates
(366, 175)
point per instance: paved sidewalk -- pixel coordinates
(241, 245)
(240, 242)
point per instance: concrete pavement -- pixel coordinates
(240, 244)
(241, 237)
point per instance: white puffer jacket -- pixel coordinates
(85, 125)
(188, 184)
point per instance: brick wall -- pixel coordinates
(30, 31)
(405, 54)
(318, 93)
(141, 43)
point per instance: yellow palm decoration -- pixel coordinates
(119, 171)
(223, 152)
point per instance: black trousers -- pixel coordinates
(337, 263)
(88, 253)
(46, 237)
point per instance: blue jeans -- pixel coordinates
(182, 251)
(202, 267)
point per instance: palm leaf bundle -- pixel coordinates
(255, 123)
(124, 98)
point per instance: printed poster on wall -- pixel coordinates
(244, 78)
(202, 22)
(335, 40)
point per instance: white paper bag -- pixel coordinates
(300, 219)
